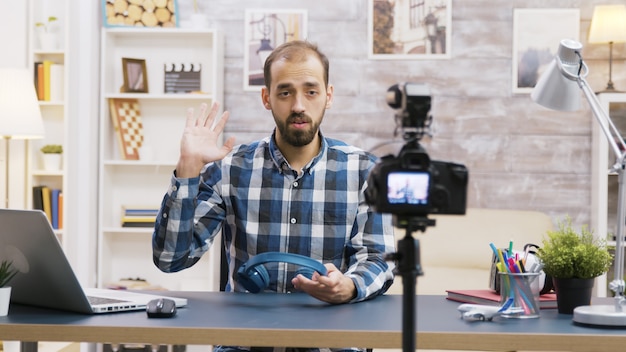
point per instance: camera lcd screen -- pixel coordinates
(408, 187)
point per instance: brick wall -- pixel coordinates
(520, 155)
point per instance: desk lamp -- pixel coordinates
(20, 117)
(558, 89)
(608, 26)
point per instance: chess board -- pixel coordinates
(126, 117)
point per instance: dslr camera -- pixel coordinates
(411, 185)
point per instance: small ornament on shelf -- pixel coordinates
(182, 77)
(126, 118)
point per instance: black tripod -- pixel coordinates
(407, 260)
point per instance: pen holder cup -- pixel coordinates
(524, 289)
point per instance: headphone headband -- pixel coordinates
(254, 277)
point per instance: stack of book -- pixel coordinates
(49, 81)
(490, 297)
(138, 217)
(50, 200)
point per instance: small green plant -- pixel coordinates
(566, 253)
(45, 25)
(52, 149)
(6, 272)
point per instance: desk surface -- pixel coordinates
(298, 320)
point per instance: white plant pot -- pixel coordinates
(47, 41)
(5, 299)
(199, 21)
(52, 162)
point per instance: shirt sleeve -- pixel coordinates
(372, 238)
(179, 237)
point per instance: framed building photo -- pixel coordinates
(135, 75)
(264, 31)
(536, 37)
(407, 29)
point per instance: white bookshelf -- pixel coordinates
(126, 252)
(55, 111)
(604, 183)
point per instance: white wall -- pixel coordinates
(14, 47)
(82, 173)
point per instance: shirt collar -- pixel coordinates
(283, 165)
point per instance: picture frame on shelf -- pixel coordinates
(128, 126)
(264, 31)
(535, 32)
(135, 75)
(403, 30)
(126, 13)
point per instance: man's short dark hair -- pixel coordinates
(295, 50)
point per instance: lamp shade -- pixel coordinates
(20, 117)
(608, 24)
(557, 87)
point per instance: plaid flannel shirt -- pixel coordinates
(260, 204)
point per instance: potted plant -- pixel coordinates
(7, 272)
(573, 259)
(198, 19)
(47, 39)
(52, 156)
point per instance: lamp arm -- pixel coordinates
(606, 124)
(615, 141)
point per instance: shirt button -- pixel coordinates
(293, 220)
(295, 184)
(165, 215)
(174, 188)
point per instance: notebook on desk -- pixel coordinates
(46, 278)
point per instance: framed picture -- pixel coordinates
(402, 29)
(130, 13)
(126, 119)
(536, 37)
(264, 31)
(135, 75)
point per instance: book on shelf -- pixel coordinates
(46, 79)
(56, 82)
(38, 69)
(50, 201)
(138, 216)
(490, 297)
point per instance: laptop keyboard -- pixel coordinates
(103, 300)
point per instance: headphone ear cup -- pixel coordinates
(254, 279)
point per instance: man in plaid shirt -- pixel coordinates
(295, 191)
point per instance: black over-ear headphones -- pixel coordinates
(254, 277)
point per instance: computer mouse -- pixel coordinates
(161, 308)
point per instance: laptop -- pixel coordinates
(46, 278)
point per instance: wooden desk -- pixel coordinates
(297, 320)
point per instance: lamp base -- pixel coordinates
(606, 315)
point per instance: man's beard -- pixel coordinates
(297, 137)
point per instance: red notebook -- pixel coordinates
(490, 297)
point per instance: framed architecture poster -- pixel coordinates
(264, 31)
(536, 37)
(407, 29)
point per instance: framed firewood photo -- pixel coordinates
(134, 13)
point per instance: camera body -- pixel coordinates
(411, 184)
